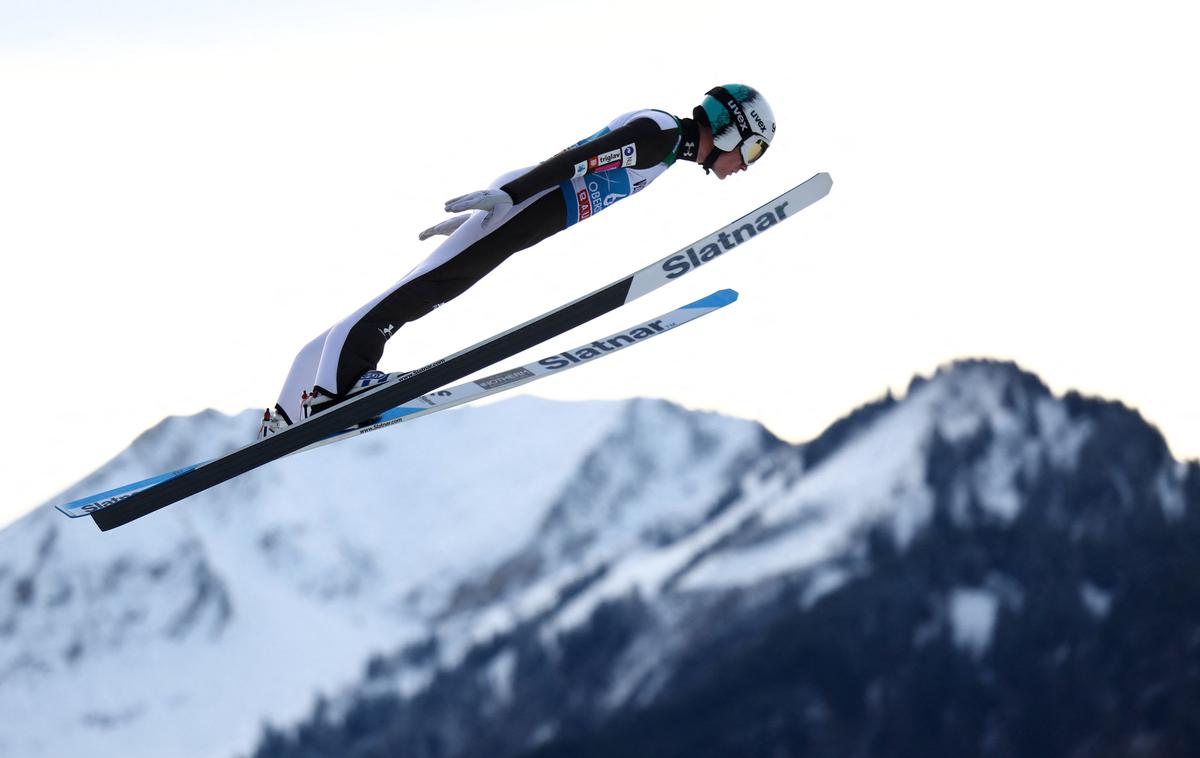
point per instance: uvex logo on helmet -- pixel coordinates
(736, 112)
(762, 125)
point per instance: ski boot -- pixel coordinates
(319, 401)
(274, 421)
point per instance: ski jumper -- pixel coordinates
(579, 182)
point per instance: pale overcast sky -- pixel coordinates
(189, 192)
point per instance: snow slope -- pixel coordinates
(179, 634)
(434, 548)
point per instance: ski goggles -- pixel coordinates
(753, 148)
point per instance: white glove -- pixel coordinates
(496, 202)
(447, 227)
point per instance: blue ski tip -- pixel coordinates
(74, 508)
(718, 299)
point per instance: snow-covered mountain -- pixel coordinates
(609, 578)
(180, 634)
